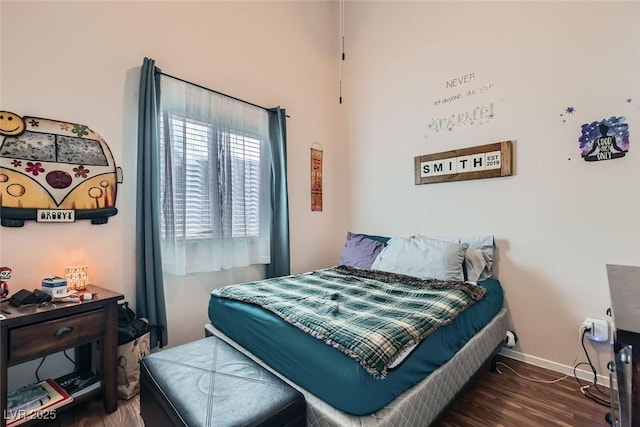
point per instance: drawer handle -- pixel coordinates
(63, 331)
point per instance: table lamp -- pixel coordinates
(77, 277)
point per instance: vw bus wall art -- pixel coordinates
(53, 171)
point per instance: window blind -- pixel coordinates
(216, 180)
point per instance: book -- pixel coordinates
(79, 383)
(57, 397)
(25, 396)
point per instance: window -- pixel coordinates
(214, 182)
(206, 210)
(245, 200)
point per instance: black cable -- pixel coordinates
(595, 375)
(604, 393)
(584, 388)
(44, 357)
(75, 365)
(41, 362)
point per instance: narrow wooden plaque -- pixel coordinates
(316, 180)
(482, 161)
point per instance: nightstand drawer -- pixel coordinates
(29, 342)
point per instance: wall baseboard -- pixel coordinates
(553, 366)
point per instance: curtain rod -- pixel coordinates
(214, 91)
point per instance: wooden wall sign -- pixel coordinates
(316, 179)
(482, 161)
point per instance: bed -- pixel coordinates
(410, 388)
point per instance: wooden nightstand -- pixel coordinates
(31, 332)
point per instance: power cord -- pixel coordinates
(38, 368)
(586, 388)
(537, 380)
(75, 364)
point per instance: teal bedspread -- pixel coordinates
(371, 316)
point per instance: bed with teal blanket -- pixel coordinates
(343, 334)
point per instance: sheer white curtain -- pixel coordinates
(215, 180)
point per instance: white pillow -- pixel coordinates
(422, 257)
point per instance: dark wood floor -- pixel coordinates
(491, 400)
(508, 400)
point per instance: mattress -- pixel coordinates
(421, 404)
(334, 377)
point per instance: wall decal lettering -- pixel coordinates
(465, 86)
(478, 115)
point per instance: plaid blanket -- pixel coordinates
(372, 316)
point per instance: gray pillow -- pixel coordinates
(478, 259)
(475, 263)
(484, 244)
(422, 257)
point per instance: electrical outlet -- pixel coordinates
(599, 329)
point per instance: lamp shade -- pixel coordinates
(77, 277)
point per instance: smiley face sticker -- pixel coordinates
(11, 124)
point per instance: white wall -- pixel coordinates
(558, 220)
(80, 62)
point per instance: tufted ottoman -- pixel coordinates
(209, 383)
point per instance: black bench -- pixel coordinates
(209, 383)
